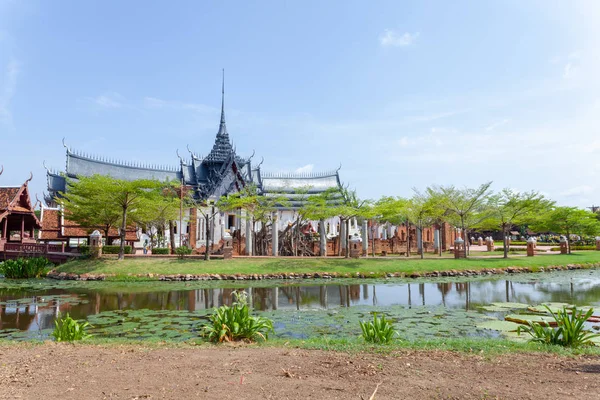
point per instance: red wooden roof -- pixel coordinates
(16, 200)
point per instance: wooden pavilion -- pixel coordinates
(18, 221)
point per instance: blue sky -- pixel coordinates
(402, 94)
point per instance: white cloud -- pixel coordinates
(305, 169)
(578, 191)
(393, 38)
(8, 90)
(109, 100)
(495, 125)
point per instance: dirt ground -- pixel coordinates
(63, 371)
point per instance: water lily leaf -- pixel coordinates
(497, 325)
(525, 319)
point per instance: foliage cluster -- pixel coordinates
(160, 250)
(235, 323)
(380, 331)
(68, 330)
(570, 330)
(183, 251)
(25, 268)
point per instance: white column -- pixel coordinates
(248, 236)
(436, 240)
(419, 241)
(323, 238)
(343, 236)
(275, 235)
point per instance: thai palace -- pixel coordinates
(222, 172)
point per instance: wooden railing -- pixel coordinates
(33, 248)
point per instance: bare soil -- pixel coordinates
(63, 371)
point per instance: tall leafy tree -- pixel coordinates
(421, 211)
(321, 207)
(465, 208)
(122, 197)
(393, 210)
(87, 204)
(510, 207)
(568, 221)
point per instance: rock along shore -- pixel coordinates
(321, 275)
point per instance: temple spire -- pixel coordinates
(222, 126)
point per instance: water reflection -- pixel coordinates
(23, 310)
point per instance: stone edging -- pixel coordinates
(321, 275)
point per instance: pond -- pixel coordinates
(428, 308)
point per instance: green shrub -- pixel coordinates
(160, 250)
(235, 323)
(573, 248)
(25, 268)
(379, 331)
(569, 332)
(109, 249)
(68, 330)
(115, 249)
(183, 251)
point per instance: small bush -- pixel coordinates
(379, 331)
(160, 250)
(68, 330)
(235, 323)
(569, 332)
(183, 251)
(109, 249)
(25, 268)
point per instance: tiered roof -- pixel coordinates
(222, 171)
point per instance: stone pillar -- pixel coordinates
(419, 240)
(530, 247)
(564, 246)
(322, 239)
(355, 247)
(275, 235)
(248, 236)
(598, 243)
(436, 240)
(343, 237)
(227, 246)
(96, 244)
(489, 241)
(193, 237)
(385, 232)
(365, 237)
(459, 248)
(480, 241)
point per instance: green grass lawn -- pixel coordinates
(379, 266)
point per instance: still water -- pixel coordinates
(300, 309)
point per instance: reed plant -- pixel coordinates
(234, 323)
(68, 330)
(25, 268)
(569, 332)
(379, 331)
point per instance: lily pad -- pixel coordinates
(525, 319)
(503, 307)
(501, 326)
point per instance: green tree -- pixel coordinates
(88, 205)
(161, 210)
(392, 210)
(321, 207)
(465, 208)
(352, 207)
(421, 211)
(568, 221)
(510, 208)
(114, 196)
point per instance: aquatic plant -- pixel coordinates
(235, 323)
(378, 331)
(570, 330)
(68, 330)
(25, 268)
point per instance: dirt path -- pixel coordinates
(62, 371)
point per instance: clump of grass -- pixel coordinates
(570, 330)
(68, 330)
(25, 268)
(379, 331)
(233, 323)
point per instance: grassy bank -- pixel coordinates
(479, 346)
(367, 266)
